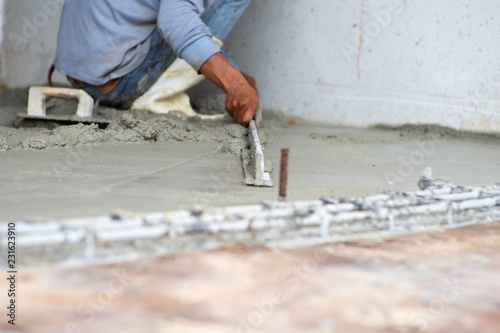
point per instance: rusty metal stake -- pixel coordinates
(284, 172)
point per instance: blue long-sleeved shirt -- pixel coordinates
(100, 40)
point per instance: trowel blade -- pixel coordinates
(73, 119)
(255, 174)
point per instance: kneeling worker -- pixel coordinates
(116, 50)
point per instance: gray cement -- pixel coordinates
(145, 177)
(144, 165)
(126, 126)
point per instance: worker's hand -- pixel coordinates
(242, 99)
(242, 102)
(251, 81)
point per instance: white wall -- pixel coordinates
(2, 5)
(30, 40)
(417, 61)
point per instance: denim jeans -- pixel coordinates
(220, 18)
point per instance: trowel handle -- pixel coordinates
(258, 116)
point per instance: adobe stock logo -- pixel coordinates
(31, 27)
(414, 162)
(290, 283)
(423, 319)
(377, 21)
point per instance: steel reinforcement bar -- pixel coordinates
(121, 237)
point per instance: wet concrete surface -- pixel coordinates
(93, 180)
(431, 282)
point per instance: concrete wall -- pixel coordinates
(366, 62)
(2, 4)
(30, 40)
(2, 16)
(349, 62)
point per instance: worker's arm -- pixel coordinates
(180, 24)
(241, 98)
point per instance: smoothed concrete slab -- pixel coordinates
(95, 180)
